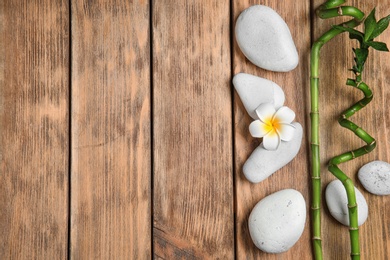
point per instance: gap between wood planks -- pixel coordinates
(231, 20)
(70, 130)
(151, 128)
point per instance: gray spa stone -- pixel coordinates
(265, 39)
(254, 91)
(262, 163)
(375, 177)
(337, 201)
(276, 222)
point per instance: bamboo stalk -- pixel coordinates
(347, 182)
(327, 10)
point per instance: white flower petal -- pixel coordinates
(271, 141)
(259, 129)
(265, 112)
(286, 132)
(284, 115)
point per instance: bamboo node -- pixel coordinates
(340, 11)
(317, 238)
(316, 177)
(315, 144)
(353, 155)
(352, 206)
(357, 130)
(344, 181)
(355, 254)
(315, 208)
(353, 228)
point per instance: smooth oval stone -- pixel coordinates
(265, 39)
(337, 201)
(262, 163)
(277, 222)
(375, 177)
(254, 91)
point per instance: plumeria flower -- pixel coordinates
(273, 125)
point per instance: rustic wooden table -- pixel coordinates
(122, 137)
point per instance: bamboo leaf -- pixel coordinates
(369, 25)
(356, 37)
(353, 34)
(381, 26)
(379, 46)
(361, 55)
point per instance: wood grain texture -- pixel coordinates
(111, 157)
(296, 174)
(34, 83)
(335, 96)
(200, 196)
(192, 110)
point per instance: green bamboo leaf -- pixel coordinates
(353, 34)
(361, 55)
(379, 46)
(356, 37)
(369, 25)
(381, 26)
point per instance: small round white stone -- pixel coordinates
(375, 177)
(265, 39)
(277, 222)
(337, 202)
(254, 91)
(262, 163)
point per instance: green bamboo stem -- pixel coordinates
(332, 166)
(323, 12)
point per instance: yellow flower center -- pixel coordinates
(271, 125)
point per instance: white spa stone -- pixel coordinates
(265, 39)
(254, 91)
(337, 201)
(375, 177)
(262, 163)
(276, 222)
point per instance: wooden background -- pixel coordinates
(122, 136)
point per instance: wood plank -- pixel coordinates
(192, 111)
(296, 174)
(111, 165)
(335, 96)
(34, 94)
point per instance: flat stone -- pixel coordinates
(277, 222)
(337, 201)
(254, 91)
(262, 163)
(265, 39)
(375, 177)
